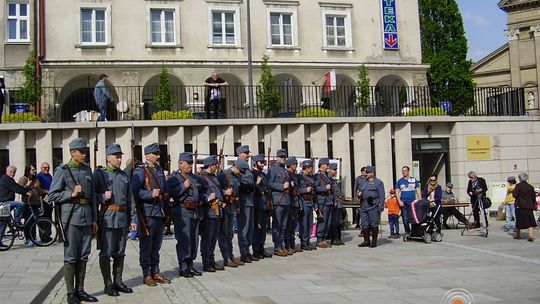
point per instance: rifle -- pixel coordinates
(139, 208)
(220, 155)
(73, 201)
(269, 207)
(102, 209)
(194, 170)
(96, 148)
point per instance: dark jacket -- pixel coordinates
(437, 196)
(524, 194)
(480, 183)
(8, 188)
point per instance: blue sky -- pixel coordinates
(484, 26)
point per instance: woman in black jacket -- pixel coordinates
(525, 198)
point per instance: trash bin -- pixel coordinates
(446, 105)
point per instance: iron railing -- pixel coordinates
(61, 104)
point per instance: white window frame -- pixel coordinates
(18, 18)
(235, 10)
(294, 27)
(348, 31)
(94, 7)
(176, 21)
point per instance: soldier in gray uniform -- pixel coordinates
(279, 182)
(294, 207)
(72, 187)
(358, 182)
(372, 193)
(246, 205)
(262, 202)
(185, 189)
(114, 194)
(337, 211)
(307, 195)
(325, 202)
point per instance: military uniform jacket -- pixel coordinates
(210, 184)
(227, 179)
(261, 189)
(62, 186)
(293, 190)
(324, 196)
(373, 194)
(179, 193)
(358, 184)
(277, 176)
(247, 189)
(305, 181)
(338, 195)
(142, 185)
(116, 181)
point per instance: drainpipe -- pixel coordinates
(40, 48)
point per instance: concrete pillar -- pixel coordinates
(101, 135)
(362, 146)
(536, 33)
(249, 135)
(383, 153)
(225, 139)
(515, 69)
(340, 147)
(44, 144)
(319, 140)
(17, 151)
(123, 138)
(175, 144)
(403, 146)
(201, 140)
(272, 138)
(296, 137)
(67, 136)
(149, 136)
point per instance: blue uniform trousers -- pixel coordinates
(113, 242)
(150, 245)
(259, 229)
(370, 217)
(186, 232)
(245, 229)
(336, 216)
(80, 242)
(324, 225)
(225, 235)
(292, 221)
(279, 224)
(306, 224)
(209, 240)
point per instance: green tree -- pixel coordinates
(444, 48)
(363, 84)
(31, 88)
(164, 99)
(268, 98)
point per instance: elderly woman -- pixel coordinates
(525, 198)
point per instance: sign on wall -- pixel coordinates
(390, 27)
(478, 147)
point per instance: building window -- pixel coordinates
(93, 26)
(281, 29)
(162, 26)
(336, 31)
(223, 28)
(17, 22)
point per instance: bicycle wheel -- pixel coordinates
(43, 232)
(7, 235)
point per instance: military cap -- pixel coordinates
(370, 169)
(324, 161)
(242, 149)
(449, 185)
(210, 160)
(242, 165)
(307, 163)
(152, 148)
(282, 153)
(114, 149)
(258, 158)
(333, 166)
(511, 179)
(186, 156)
(78, 144)
(291, 161)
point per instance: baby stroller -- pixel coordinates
(422, 222)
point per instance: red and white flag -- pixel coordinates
(330, 83)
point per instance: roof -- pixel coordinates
(490, 56)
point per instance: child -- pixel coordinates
(393, 214)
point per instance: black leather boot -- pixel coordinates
(105, 267)
(118, 269)
(79, 283)
(69, 277)
(374, 235)
(365, 234)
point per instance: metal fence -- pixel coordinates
(61, 104)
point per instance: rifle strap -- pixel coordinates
(68, 221)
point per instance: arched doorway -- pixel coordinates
(77, 95)
(390, 96)
(150, 89)
(234, 97)
(291, 92)
(342, 98)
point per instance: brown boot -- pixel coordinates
(374, 235)
(365, 234)
(230, 263)
(160, 279)
(517, 234)
(280, 252)
(322, 244)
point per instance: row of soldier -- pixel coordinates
(202, 205)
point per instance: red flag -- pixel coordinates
(330, 83)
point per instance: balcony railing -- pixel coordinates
(63, 104)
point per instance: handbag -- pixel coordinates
(486, 203)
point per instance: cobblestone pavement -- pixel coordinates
(494, 270)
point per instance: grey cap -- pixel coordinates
(114, 149)
(78, 144)
(449, 185)
(307, 163)
(333, 166)
(186, 156)
(242, 149)
(210, 160)
(258, 158)
(242, 165)
(152, 148)
(370, 169)
(291, 161)
(511, 179)
(282, 153)
(324, 161)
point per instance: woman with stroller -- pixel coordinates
(433, 193)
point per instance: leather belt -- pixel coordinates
(117, 208)
(307, 197)
(81, 201)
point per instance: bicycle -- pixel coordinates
(42, 230)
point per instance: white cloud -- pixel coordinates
(477, 20)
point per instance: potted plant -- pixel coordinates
(363, 91)
(164, 99)
(30, 91)
(268, 98)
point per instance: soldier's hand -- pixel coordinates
(286, 185)
(155, 193)
(358, 193)
(212, 196)
(229, 191)
(76, 190)
(187, 183)
(107, 195)
(94, 227)
(328, 187)
(133, 227)
(309, 189)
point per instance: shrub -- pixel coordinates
(164, 98)
(268, 98)
(20, 117)
(426, 112)
(363, 98)
(184, 114)
(31, 88)
(316, 112)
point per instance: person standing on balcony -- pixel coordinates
(102, 96)
(213, 94)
